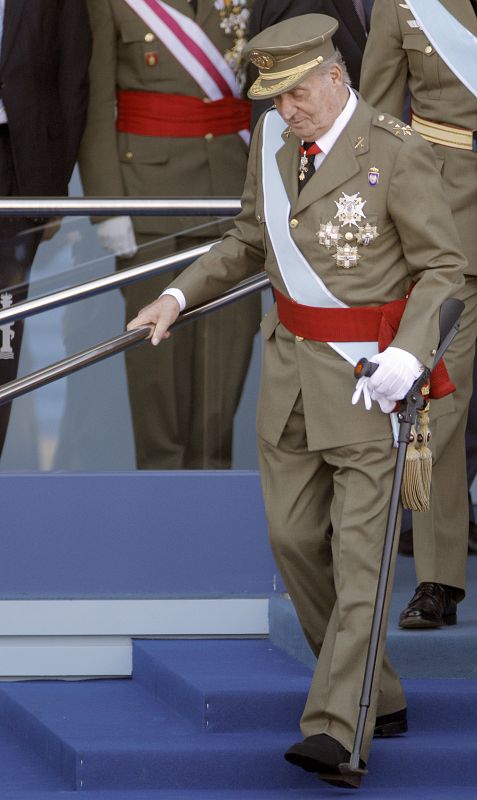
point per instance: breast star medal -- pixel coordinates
(350, 209)
(329, 234)
(367, 234)
(346, 256)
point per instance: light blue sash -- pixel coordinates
(303, 284)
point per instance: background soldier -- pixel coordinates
(398, 55)
(45, 52)
(346, 238)
(170, 141)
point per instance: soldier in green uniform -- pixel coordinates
(399, 55)
(356, 232)
(153, 131)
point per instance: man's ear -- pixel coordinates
(336, 73)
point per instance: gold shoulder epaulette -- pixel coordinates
(393, 125)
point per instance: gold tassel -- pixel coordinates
(416, 485)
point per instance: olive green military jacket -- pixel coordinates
(416, 242)
(399, 55)
(122, 164)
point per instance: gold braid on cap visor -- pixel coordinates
(257, 89)
(289, 73)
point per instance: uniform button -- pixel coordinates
(299, 338)
(428, 50)
(381, 117)
(209, 136)
(349, 236)
(433, 352)
(129, 155)
(293, 223)
(149, 37)
(259, 218)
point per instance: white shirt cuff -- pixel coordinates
(178, 295)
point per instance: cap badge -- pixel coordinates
(262, 60)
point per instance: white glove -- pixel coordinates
(116, 235)
(397, 371)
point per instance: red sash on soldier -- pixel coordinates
(358, 324)
(180, 116)
(192, 48)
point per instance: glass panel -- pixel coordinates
(175, 405)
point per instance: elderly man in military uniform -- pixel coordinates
(399, 55)
(334, 204)
(167, 118)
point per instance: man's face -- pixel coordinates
(311, 108)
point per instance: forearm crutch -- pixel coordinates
(450, 313)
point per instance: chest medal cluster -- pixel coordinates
(350, 214)
(234, 21)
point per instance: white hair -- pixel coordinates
(336, 58)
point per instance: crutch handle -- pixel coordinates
(365, 368)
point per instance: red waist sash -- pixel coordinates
(157, 114)
(359, 324)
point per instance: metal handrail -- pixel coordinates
(118, 206)
(117, 344)
(104, 284)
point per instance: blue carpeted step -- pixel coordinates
(56, 718)
(224, 686)
(22, 769)
(117, 735)
(241, 685)
(316, 791)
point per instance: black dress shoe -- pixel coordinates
(432, 606)
(391, 724)
(323, 754)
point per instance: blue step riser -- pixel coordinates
(214, 711)
(45, 743)
(163, 683)
(261, 769)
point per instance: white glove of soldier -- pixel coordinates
(116, 235)
(397, 371)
